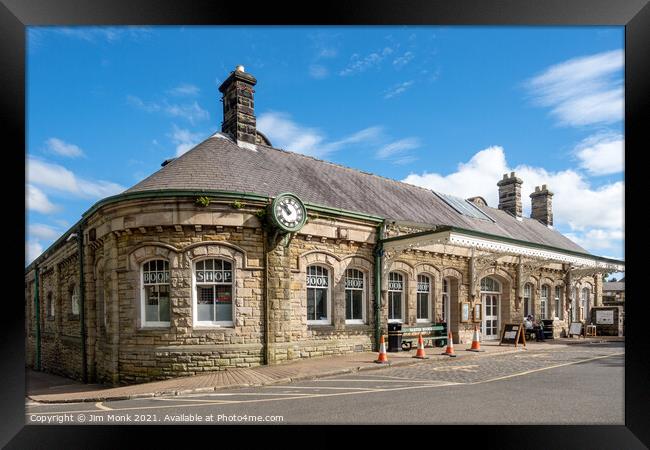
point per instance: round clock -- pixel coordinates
(288, 212)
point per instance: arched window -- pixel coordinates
(584, 304)
(528, 289)
(318, 294)
(74, 299)
(558, 302)
(155, 293)
(543, 303)
(354, 296)
(213, 279)
(490, 285)
(424, 299)
(49, 305)
(395, 294)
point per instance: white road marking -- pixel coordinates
(546, 368)
(358, 392)
(105, 408)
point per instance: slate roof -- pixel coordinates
(219, 164)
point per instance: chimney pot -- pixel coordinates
(542, 205)
(512, 174)
(239, 108)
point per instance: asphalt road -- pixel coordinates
(581, 384)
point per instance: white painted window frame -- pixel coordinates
(428, 319)
(328, 320)
(363, 297)
(216, 323)
(543, 302)
(143, 297)
(402, 297)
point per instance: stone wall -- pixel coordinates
(269, 291)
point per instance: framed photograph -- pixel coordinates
(464, 312)
(478, 307)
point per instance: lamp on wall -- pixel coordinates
(71, 236)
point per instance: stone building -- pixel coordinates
(237, 254)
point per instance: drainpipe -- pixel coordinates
(378, 252)
(37, 304)
(82, 305)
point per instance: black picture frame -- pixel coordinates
(15, 15)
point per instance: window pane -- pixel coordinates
(348, 304)
(151, 305)
(163, 303)
(205, 300)
(311, 302)
(423, 306)
(321, 304)
(357, 305)
(395, 305)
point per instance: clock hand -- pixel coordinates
(286, 208)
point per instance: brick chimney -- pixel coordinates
(510, 194)
(239, 108)
(542, 205)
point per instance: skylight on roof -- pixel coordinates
(463, 206)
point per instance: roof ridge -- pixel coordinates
(345, 167)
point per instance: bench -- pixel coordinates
(434, 335)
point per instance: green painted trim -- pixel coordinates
(378, 252)
(191, 193)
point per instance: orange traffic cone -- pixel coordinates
(450, 346)
(420, 353)
(382, 358)
(476, 344)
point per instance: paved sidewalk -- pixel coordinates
(46, 388)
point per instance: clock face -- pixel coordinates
(288, 212)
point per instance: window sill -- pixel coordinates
(154, 327)
(200, 327)
(355, 322)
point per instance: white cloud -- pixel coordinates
(285, 133)
(576, 204)
(602, 153)
(403, 60)
(106, 34)
(184, 90)
(33, 249)
(398, 89)
(318, 71)
(361, 64)
(583, 91)
(192, 112)
(327, 53)
(62, 148)
(61, 179)
(184, 139)
(140, 104)
(42, 231)
(397, 147)
(36, 200)
(599, 239)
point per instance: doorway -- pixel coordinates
(490, 298)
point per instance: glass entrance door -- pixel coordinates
(490, 325)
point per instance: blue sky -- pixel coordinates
(449, 108)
